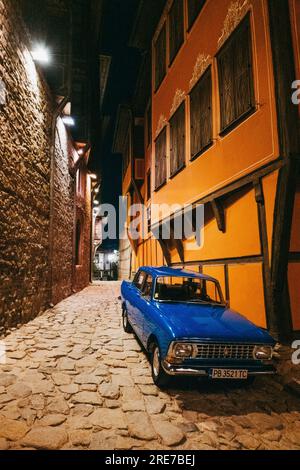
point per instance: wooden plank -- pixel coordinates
(165, 250)
(227, 288)
(219, 214)
(237, 260)
(263, 235)
(287, 118)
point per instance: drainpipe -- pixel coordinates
(57, 112)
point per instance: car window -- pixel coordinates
(147, 289)
(139, 280)
(183, 289)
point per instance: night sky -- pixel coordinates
(117, 25)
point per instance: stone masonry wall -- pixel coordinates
(63, 217)
(84, 214)
(25, 125)
(25, 161)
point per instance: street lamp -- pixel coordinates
(41, 54)
(68, 121)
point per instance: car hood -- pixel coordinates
(207, 322)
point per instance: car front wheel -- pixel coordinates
(160, 378)
(126, 325)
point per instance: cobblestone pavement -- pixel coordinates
(73, 379)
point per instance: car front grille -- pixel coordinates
(225, 351)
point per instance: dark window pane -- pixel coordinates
(201, 114)
(194, 8)
(177, 137)
(160, 57)
(160, 159)
(176, 25)
(148, 185)
(149, 126)
(236, 75)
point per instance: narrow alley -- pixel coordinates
(74, 379)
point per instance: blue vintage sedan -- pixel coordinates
(184, 323)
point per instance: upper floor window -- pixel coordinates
(177, 140)
(194, 8)
(148, 185)
(236, 76)
(161, 159)
(149, 126)
(160, 57)
(201, 114)
(176, 27)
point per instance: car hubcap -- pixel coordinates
(156, 362)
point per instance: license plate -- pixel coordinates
(229, 374)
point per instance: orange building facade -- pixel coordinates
(220, 129)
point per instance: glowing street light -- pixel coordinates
(41, 54)
(68, 121)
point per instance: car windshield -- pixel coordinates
(188, 289)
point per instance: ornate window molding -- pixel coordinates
(178, 99)
(201, 65)
(236, 12)
(162, 122)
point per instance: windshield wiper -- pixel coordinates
(206, 302)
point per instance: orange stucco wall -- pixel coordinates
(240, 239)
(249, 146)
(254, 142)
(246, 292)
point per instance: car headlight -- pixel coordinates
(264, 353)
(184, 350)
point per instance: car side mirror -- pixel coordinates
(119, 298)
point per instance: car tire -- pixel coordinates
(160, 378)
(126, 325)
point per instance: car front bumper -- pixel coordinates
(205, 370)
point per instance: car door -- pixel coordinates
(134, 306)
(145, 307)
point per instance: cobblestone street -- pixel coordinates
(73, 379)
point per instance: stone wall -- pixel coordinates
(27, 284)
(83, 213)
(63, 216)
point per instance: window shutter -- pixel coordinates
(177, 139)
(176, 26)
(243, 71)
(201, 114)
(236, 76)
(160, 159)
(194, 8)
(160, 57)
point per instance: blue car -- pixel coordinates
(185, 325)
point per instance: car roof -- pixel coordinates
(175, 272)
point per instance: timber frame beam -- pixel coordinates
(219, 214)
(287, 120)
